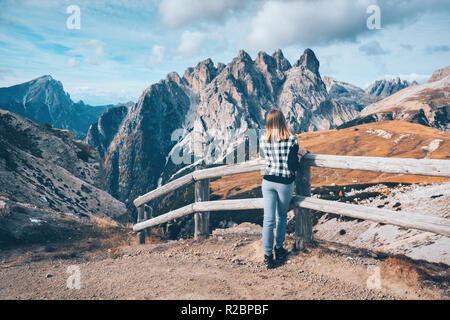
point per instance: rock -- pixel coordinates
(309, 61)
(101, 133)
(387, 87)
(440, 74)
(4, 209)
(348, 94)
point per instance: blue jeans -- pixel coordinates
(277, 197)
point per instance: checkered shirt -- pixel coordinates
(276, 155)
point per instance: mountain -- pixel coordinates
(101, 133)
(440, 74)
(348, 94)
(47, 177)
(385, 87)
(208, 112)
(427, 104)
(44, 100)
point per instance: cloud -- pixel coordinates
(406, 46)
(5, 73)
(438, 48)
(193, 42)
(157, 55)
(73, 62)
(98, 47)
(175, 13)
(372, 48)
(92, 52)
(282, 23)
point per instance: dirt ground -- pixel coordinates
(227, 265)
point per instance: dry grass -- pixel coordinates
(356, 141)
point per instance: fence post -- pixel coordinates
(303, 225)
(141, 216)
(201, 219)
(148, 214)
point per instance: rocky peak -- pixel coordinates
(386, 87)
(220, 67)
(265, 62)
(309, 61)
(244, 56)
(282, 63)
(173, 76)
(200, 76)
(440, 74)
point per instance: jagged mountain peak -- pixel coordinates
(386, 87)
(244, 56)
(44, 100)
(283, 64)
(201, 75)
(46, 77)
(439, 74)
(266, 61)
(309, 60)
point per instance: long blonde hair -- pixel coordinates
(276, 127)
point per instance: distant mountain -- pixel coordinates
(44, 100)
(205, 105)
(385, 87)
(427, 104)
(440, 74)
(102, 132)
(49, 170)
(348, 94)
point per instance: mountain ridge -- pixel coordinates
(44, 100)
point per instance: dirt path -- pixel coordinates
(225, 266)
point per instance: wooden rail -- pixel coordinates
(302, 202)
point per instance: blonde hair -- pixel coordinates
(276, 127)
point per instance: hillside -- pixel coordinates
(426, 104)
(397, 139)
(49, 183)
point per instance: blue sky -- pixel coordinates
(123, 46)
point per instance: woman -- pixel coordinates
(281, 152)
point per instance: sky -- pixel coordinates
(112, 50)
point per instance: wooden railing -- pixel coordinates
(302, 201)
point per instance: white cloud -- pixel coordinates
(93, 52)
(157, 55)
(98, 47)
(73, 62)
(175, 13)
(372, 48)
(282, 23)
(193, 42)
(5, 73)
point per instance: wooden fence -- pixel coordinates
(302, 201)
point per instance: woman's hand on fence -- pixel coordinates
(301, 152)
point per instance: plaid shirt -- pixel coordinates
(276, 155)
